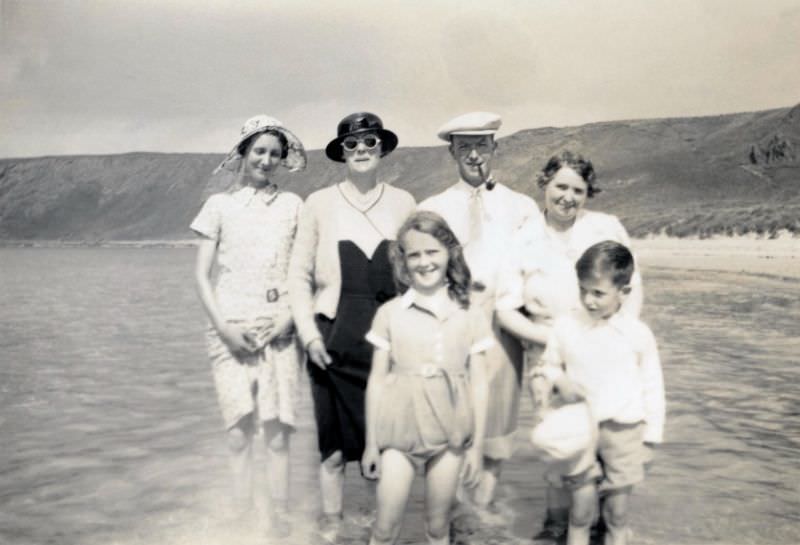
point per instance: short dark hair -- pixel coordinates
(244, 147)
(607, 257)
(582, 166)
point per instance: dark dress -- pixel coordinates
(339, 391)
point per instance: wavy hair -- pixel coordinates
(459, 278)
(582, 166)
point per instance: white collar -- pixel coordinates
(461, 185)
(411, 298)
(618, 320)
(246, 194)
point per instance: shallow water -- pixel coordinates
(109, 431)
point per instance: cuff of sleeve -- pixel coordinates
(508, 303)
(653, 436)
(307, 332)
(204, 232)
(378, 341)
(482, 346)
(547, 372)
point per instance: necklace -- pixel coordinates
(363, 211)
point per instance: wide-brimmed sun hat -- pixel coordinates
(565, 433)
(295, 154)
(360, 123)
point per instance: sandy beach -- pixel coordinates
(779, 257)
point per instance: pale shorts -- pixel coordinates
(618, 461)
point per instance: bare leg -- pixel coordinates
(240, 449)
(484, 492)
(581, 515)
(397, 475)
(615, 513)
(556, 519)
(331, 481)
(441, 482)
(276, 438)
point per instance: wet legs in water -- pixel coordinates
(441, 482)
(484, 492)
(276, 440)
(331, 481)
(240, 449)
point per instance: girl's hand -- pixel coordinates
(473, 467)
(569, 391)
(371, 463)
(237, 338)
(318, 354)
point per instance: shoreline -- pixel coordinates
(771, 257)
(775, 258)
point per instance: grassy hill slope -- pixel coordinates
(733, 173)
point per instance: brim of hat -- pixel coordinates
(295, 159)
(335, 152)
(447, 134)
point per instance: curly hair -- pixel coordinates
(459, 278)
(244, 147)
(583, 167)
(607, 258)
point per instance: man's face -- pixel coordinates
(473, 153)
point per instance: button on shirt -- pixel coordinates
(616, 361)
(423, 340)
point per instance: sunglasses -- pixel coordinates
(370, 142)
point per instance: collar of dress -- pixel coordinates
(246, 194)
(411, 298)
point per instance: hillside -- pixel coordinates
(733, 173)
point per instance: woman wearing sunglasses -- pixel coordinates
(339, 274)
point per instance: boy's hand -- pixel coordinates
(371, 463)
(473, 467)
(569, 391)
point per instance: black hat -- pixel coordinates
(360, 123)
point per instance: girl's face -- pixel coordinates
(262, 159)
(426, 261)
(365, 156)
(565, 195)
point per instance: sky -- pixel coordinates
(113, 76)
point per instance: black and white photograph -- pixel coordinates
(294, 272)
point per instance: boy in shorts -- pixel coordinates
(610, 360)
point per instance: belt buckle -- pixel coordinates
(272, 295)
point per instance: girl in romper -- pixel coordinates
(427, 391)
(247, 237)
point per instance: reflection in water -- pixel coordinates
(110, 431)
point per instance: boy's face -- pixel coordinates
(600, 296)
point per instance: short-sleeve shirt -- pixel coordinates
(254, 231)
(420, 338)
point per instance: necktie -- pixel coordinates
(475, 216)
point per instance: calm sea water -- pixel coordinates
(109, 431)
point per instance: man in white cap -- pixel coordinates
(484, 215)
